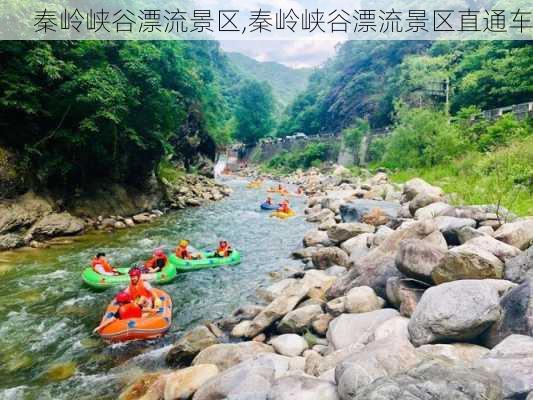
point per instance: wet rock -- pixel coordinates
(467, 262)
(297, 321)
(182, 384)
(189, 345)
(432, 380)
(362, 299)
(275, 290)
(417, 259)
(512, 361)
(458, 311)
(142, 218)
(520, 268)
(304, 253)
(302, 388)
(316, 238)
(372, 362)
(516, 316)
(57, 224)
(350, 329)
(465, 353)
(356, 209)
(225, 355)
(140, 387)
(11, 241)
(329, 256)
(289, 345)
(518, 234)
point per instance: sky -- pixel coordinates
(292, 53)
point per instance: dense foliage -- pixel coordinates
(310, 156)
(76, 112)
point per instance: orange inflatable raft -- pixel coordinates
(148, 327)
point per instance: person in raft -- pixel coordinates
(102, 266)
(268, 201)
(183, 251)
(127, 308)
(140, 291)
(284, 206)
(156, 263)
(223, 250)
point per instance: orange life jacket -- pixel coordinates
(182, 252)
(129, 310)
(139, 290)
(223, 251)
(152, 262)
(103, 262)
(284, 207)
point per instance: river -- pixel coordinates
(47, 350)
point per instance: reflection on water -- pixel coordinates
(46, 315)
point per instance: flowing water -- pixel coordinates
(47, 350)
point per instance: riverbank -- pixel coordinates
(33, 219)
(399, 294)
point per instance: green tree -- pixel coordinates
(254, 111)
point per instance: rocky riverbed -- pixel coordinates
(399, 295)
(33, 219)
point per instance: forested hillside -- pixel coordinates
(286, 82)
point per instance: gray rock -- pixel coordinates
(516, 316)
(356, 209)
(416, 186)
(434, 380)
(520, 268)
(11, 241)
(22, 212)
(57, 224)
(226, 355)
(289, 345)
(362, 299)
(360, 245)
(297, 321)
(297, 387)
(329, 256)
(316, 238)
(465, 353)
(189, 345)
(467, 233)
(417, 259)
(458, 311)
(350, 329)
(320, 216)
(382, 233)
(304, 253)
(512, 361)
(347, 230)
(450, 225)
(372, 362)
(335, 270)
(500, 249)
(467, 262)
(395, 327)
(518, 234)
(433, 210)
(142, 218)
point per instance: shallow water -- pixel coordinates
(47, 350)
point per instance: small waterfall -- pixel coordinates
(363, 148)
(220, 164)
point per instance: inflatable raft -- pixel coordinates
(182, 265)
(99, 281)
(254, 185)
(282, 192)
(283, 215)
(148, 327)
(270, 207)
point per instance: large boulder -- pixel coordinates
(374, 361)
(189, 345)
(302, 387)
(379, 264)
(11, 241)
(516, 316)
(347, 230)
(467, 262)
(22, 212)
(320, 216)
(519, 268)
(432, 380)
(297, 321)
(498, 248)
(316, 238)
(433, 210)
(57, 224)
(289, 345)
(418, 187)
(395, 327)
(351, 329)
(182, 384)
(355, 210)
(449, 226)
(457, 311)
(227, 355)
(417, 259)
(512, 361)
(329, 256)
(518, 234)
(362, 299)
(465, 353)
(358, 246)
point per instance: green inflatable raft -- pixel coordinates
(99, 281)
(204, 262)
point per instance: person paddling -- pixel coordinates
(140, 291)
(268, 201)
(223, 250)
(127, 309)
(284, 206)
(157, 262)
(102, 266)
(183, 252)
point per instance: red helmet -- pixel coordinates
(159, 253)
(135, 272)
(122, 297)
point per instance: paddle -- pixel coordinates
(103, 325)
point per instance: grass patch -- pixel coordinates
(503, 176)
(168, 171)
